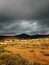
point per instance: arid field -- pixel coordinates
(28, 51)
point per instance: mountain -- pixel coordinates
(26, 36)
(23, 36)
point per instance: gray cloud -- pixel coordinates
(24, 26)
(24, 16)
(24, 9)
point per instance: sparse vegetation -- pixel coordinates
(2, 50)
(31, 50)
(7, 58)
(24, 52)
(36, 63)
(46, 54)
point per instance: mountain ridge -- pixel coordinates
(25, 36)
(31, 36)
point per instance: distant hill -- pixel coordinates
(24, 36)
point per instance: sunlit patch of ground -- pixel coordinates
(33, 50)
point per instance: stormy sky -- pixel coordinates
(24, 16)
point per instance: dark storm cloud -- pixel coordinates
(24, 9)
(24, 16)
(24, 26)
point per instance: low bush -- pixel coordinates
(12, 59)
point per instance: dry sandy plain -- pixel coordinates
(33, 50)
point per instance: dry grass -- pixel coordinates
(35, 51)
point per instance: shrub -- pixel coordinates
(12, 59)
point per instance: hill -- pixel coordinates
(24, 36)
